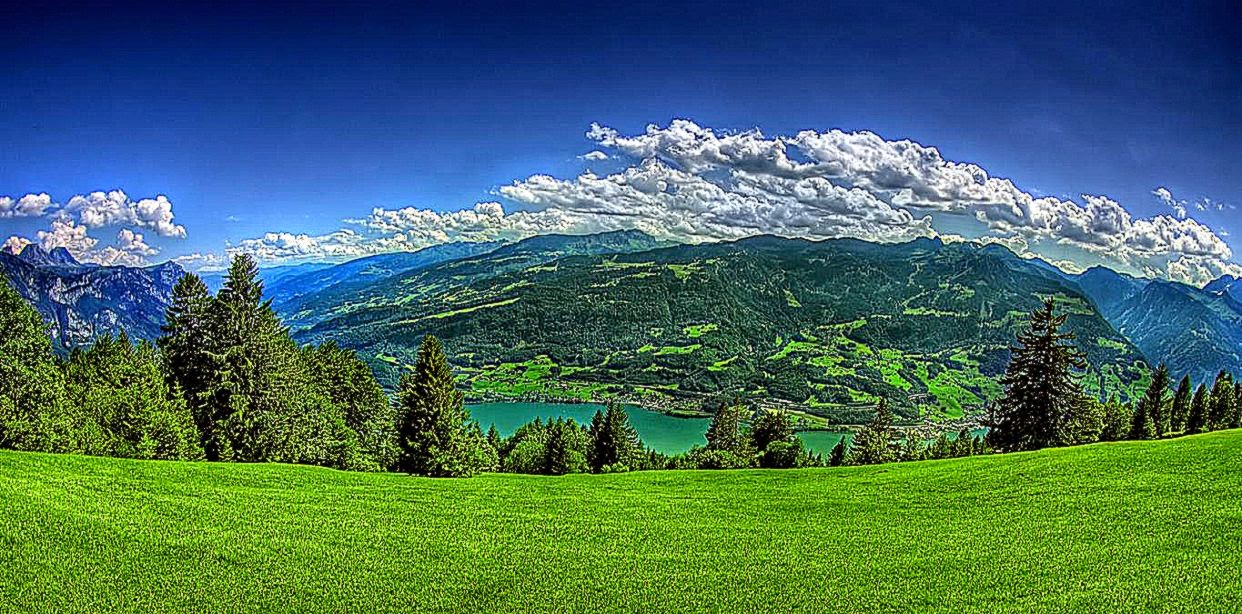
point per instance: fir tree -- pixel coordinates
(1117, 421)
(874, 442)
(1152, 408)
(1220, 405)
(1041, 389)
(1180, 410)
(1196, 420)
(436, 436)
(770, 427)
(615, 445)
(725, 432)
(34, 414)
(837, 456)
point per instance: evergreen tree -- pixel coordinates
(34, 414)
(725, 432)
(436, 436)
(1236, 420)
(836, 458)
(942, 447)
(769, 427)
(964, 444)
(615, 445)
(1196, 420)
(874, 442)
(186, 349)
(1181, 406)
(1142, 426)
(1220, 407)
(1041, 389)
(1152, 408)
(1117, 421)
(350, 385)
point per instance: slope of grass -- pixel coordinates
(1116, 527)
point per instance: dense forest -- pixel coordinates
(225, 381)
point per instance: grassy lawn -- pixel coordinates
(1116, 527)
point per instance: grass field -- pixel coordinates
(1117, 527)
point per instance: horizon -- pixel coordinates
(323, 139)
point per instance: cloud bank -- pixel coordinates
(69, 225)
(687, 182)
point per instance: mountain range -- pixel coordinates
(826, 326)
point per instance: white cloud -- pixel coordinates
(594, 156)
(690, 183)
(14, 244)
(113, 208)
(30, 205)
(67, 233)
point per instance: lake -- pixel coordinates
(666, 434)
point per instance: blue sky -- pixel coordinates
(287, 119)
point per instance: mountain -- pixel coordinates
(827, 325)
(270, 276)
(374, 282)
(83, 301)
(292, 293)
(1227, 284)
(1194, 331)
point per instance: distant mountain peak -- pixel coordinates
(35, 255)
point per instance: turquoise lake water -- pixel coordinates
(664, 433)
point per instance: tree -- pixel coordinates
(769, 427)
(186, 350)
(1220, 407)
(1181, 406)
(942, 447)
(1117, 421)
(1041, 388)
(1236, 420)
(874, 442)
(615, 445)
(350, 385)
(964, 444)
(1196, 420)
(1142, 426)
(436, 436)
(836, 458)
(1085, 424)
(725, 432)
(33, 411)
(1152, 408)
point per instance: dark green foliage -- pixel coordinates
(1196, 421)
(874, 443)
(615, 445)
(1220, 407)
(836, 458)
(725, 432)
(33, 410)
(941, 447)
(186, 349)
(128, 407)
(1151, 417)
(769, 427)
(436, 436)
(785, 454)
(1117, 421)
(1042, 392)
(1085, 424)
(351, 386)
(1180, 410)
(963, 445)
(1236, 420)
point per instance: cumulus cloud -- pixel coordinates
(688, 182)
(14, 244)
(114, 208)
(30, 205)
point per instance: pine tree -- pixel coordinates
(836, 458)
(1152, 408)
(1041, 389)
(1236, 420)
(1142, 426)
(615, 445)
(964, 444)
(770, 427)
(1220, 407)
(725, 432)
(874, 442)
(1196, 420)
(436, 436)
(942, 447)
(1181, 406)
(1117, 421)
(34, 414)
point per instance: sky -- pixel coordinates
(1082, 133)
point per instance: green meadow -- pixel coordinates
(1133, 526)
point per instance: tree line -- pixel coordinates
(226, 382)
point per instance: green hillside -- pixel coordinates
(830, 326)
(1109, 527)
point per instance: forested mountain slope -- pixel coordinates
(831, 325)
